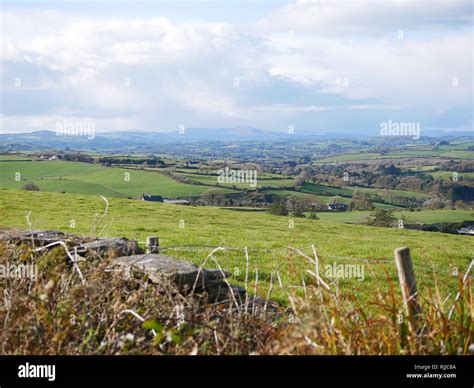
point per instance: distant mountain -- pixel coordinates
(137, 139)
(132, 140)
(231, 134)
(441, 133)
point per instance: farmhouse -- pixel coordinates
(48, 157)
(152, 198)
(341, 207)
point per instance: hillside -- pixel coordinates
(85, 178)
(193, 231)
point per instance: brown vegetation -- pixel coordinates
(119, 313)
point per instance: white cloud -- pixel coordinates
(396, 72)
(307, 58)
(349, 17)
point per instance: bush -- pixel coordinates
(278, 208)
(381, 217)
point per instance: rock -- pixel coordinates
(111, 246)
(220, 292)
(35, 237)
(184, 274)
(101, 246)
(9, 234)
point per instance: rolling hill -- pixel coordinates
(85, 178)
(191, 232)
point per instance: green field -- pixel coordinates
(213, 173)
(385, 193)
(458, 154)
(449, 174)
(4, 158)
(347, 191)
(313, 188)
(425, 216)
(212, 180)
(84, 178)
(323, 199)
(445, 152)
(267, 237)
(301, 194)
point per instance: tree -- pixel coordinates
(279, 208)
(381, 217)
(298, 206)
(361, 201)
(212, 197)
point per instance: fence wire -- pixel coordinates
(202, 248)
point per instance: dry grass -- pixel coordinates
(56, 314)
(336, 324)
(114, 313)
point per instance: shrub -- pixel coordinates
(381, 217)
(278, 208)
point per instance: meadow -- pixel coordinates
(262, 181)
(85, 178)
(191, 233)
(323, 199)
(455, 150)
(425, 216)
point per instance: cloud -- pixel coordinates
(365, 17)
(399, 53)
(390, 71)
(306, 63)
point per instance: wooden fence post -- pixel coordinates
(152, 244)
(406, 276)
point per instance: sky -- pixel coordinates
(321, 66)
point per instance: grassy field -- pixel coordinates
(426, 216)
(385, 193)
(347, 191)
(84, 178)
(214, 172)
(321, 198)
(267, 237)
(324, 199)
(448, 151)
(449, 174)
(261, 182)
(458, 154)
(6, 158)
(313, 188)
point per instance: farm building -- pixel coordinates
(152, 198)
(341, 207)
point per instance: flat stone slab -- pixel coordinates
(182, 273)
(37, 237)
(116, 246)
(119, 246)
(187, 276)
